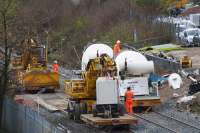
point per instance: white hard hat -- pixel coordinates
(55, 61)
(118, 41)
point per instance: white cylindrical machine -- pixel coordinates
(137, 63)
(92, 51)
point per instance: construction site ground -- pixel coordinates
(165, 92)
(53, 106)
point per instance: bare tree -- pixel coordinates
(6, 10)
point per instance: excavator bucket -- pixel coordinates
(36, 80)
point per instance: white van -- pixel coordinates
(187, 36)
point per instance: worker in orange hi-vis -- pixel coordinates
(55, 66)
(116, 49)
(129, 101)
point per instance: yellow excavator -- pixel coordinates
(31, 68)
(83, 92)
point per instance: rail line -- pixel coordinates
(157, 124)
(175, 119)
(179, 123)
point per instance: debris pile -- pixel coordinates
(185, 102)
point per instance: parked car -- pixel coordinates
(179, 30)
(196, 39)
(183, 25)
(187, 36)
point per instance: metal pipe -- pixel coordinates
(192, 79)
(188, 76)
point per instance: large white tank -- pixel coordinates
(137, 63)
(91, 53)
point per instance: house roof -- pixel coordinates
(193, 10)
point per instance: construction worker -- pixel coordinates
(116, 49)
(129, 100)
(55, 66)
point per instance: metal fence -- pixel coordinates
(21, 119)
(164, 64)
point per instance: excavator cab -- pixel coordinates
(38, 59)
(34, 55)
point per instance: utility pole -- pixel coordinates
(47, 43)
(61, 46)
(130, 10)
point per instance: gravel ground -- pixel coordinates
(166, 93)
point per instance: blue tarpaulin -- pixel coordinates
(156, 78)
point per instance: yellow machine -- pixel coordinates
(82, 92)
(176, 6)
(31, 68)
(186, 62)
(180, 3)
(176, 3)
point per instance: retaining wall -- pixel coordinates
(165, 65)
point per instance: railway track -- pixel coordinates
(164, 122)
